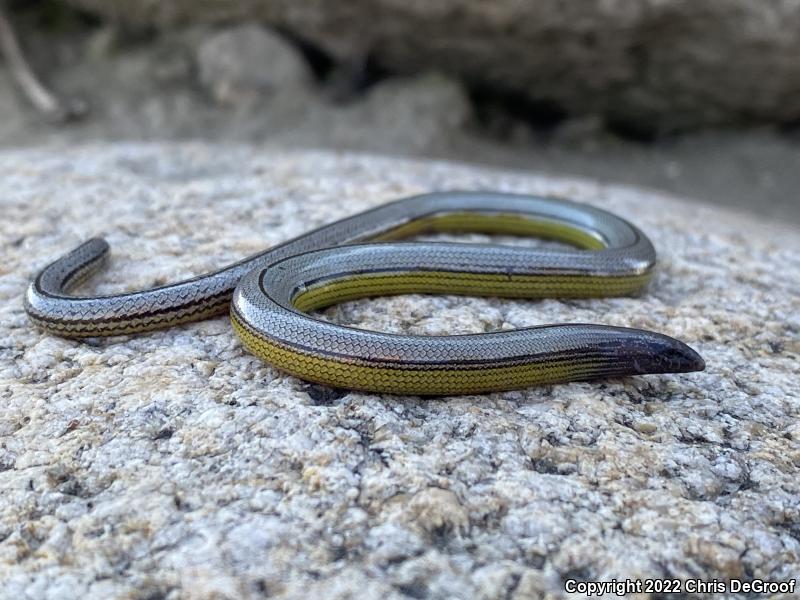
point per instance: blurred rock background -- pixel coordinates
(700, 99)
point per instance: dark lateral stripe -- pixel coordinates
(574, 356)
(220, 299)
(542, 272)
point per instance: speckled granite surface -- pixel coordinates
(174, 465)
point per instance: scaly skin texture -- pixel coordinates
(273, 291)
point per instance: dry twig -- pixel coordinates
(34, 90)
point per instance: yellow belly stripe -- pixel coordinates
(401, 379)
(468, 284)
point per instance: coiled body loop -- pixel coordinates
(273, 292)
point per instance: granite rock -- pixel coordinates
(653, 65)
(176, 465)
